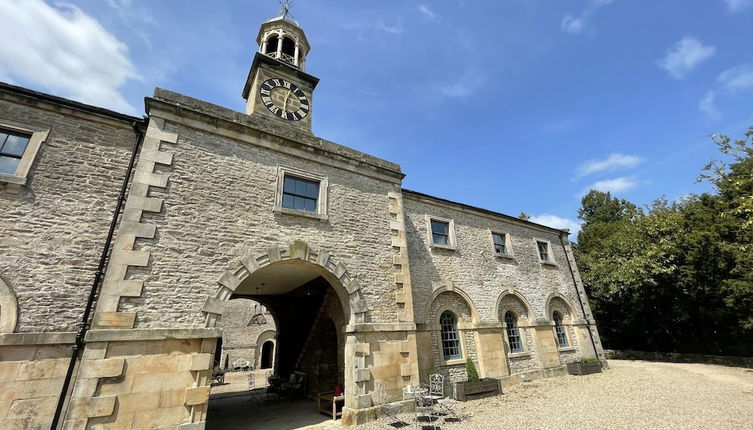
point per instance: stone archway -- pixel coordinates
(8, 307)
(329, 267)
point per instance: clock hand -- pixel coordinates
(285, 103)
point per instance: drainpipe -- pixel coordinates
(577, 293)
(84, 324)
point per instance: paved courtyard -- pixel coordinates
(630, 395)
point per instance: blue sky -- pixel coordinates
(516, 105)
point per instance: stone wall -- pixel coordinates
(53, 229)
(32, 368)
(240, 340)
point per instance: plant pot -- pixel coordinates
(477, 389)
(583, 368)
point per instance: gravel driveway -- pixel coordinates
(630, 395)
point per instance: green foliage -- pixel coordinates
(470, 369)
(675, 277)
(524, 216)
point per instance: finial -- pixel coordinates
(285, 11)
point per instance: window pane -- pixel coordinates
(440, 227)
(312, 190)
(287, 201)
(288, 185)
(498, 239)
(8, 165)
(310, 205)
(15, 145)
(300, 187)
(300, 203)
(440, 239)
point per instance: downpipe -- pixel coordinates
(84, 324)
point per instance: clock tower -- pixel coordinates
(277, 85)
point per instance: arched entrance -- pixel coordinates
(311, 309)
(267, 349)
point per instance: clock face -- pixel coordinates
(284, 99)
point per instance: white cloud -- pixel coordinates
(737, 78)
(616, 185)
(575, 23)
(428, 14)
(612, 162)
(557, 222)
(468, 83)
(685, 56)
(707, 105)
(736, 6)
(390, 29)
(65, 51)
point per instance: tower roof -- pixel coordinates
(286, 18)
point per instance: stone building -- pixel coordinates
(370, 286)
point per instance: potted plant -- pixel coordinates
(475, 388)
(584, 366)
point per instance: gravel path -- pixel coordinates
(631, 394)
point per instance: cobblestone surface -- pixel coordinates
(631, 394)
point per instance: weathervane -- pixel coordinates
(285, 11)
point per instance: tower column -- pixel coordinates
(297, 53)
(279, 45)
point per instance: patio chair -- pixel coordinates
(446, 404)
(390, 410)
(425, 416)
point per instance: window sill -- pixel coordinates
(12, 179)
(505, 256)
(566, 349)
(453, 362)
(523, 354)
(13, 184)
(447, 247)
(287, 211)
(548, 263)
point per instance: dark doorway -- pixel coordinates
(267, 351)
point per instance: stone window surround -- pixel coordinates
(452, 237)
(322, 206)
(37, 136)
(508, 244)
(8, 307)
(551, 261)
(463, 326)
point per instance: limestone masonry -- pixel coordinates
(243, 240)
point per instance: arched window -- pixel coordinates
(560, 330)
(448, 324)
(513, 333)
(288, 46)
(272, 45)
(8, 308)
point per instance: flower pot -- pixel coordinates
(477, 389)
(583, 367)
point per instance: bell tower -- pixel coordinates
(277, 86)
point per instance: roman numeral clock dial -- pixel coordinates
(284, 99)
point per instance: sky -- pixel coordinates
(514, 106)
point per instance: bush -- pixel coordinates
(470, 369)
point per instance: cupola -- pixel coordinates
(283, 39)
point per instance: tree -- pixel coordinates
(675, 276)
